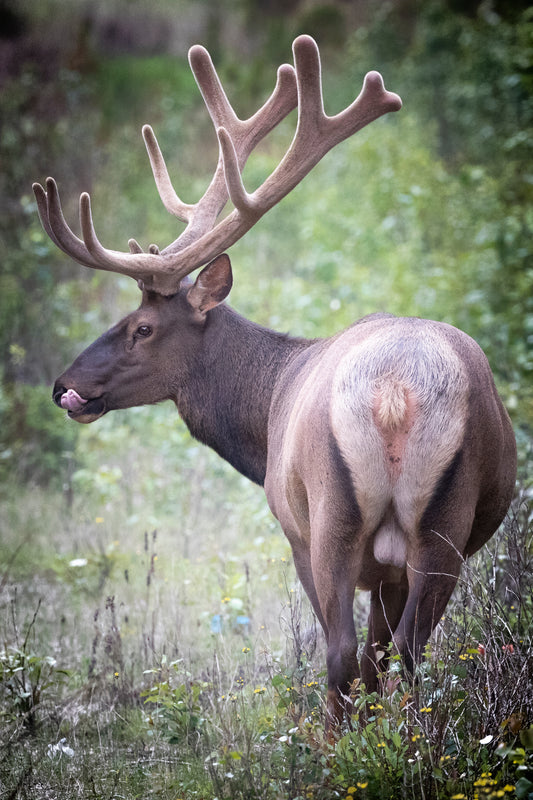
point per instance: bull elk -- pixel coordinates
(384, 451)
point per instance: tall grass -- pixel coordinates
(184, 661)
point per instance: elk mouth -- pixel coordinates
(77, 407)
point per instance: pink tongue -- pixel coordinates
(71, 401)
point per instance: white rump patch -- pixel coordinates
(403, 376)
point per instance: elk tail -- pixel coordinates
(390, 407)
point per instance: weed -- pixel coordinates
(27, 679)
(176, 709)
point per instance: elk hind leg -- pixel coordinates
(434, 560)
(387, 604)
(302, 561)
(430, 589)
(334, 573)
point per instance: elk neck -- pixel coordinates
(226, 393)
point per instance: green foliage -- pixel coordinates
(36, 322)
(177, 709)
(298, 692)
(376, 757)
(125, 86)
(24, 676)
(31, 443)
(29, 681)
(469, 80)
(30, 312)
(325, 23)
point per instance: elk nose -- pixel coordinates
(58, 393)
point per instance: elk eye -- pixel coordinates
(144, 330)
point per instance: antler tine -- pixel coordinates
(53, 221)
(136, 264)
(163, 183)
(42, 210)
(215, 98)
(317, 133)
(92, 243)
(373, 101)
(309, 81)
(243, 202)
(282, 100)
(220, 112)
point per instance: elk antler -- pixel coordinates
(203, 238)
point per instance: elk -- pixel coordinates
(385, 451)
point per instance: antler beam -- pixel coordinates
(203, 238)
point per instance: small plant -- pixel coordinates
(25, 676)
(176, 710)
(299, 693)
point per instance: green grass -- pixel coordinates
(183, 661)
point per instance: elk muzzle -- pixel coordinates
(77, 407)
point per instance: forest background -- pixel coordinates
(125, 546)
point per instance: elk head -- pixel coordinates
(134, 363)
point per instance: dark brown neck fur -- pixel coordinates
(225, 399)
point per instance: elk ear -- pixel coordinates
(212, 285)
